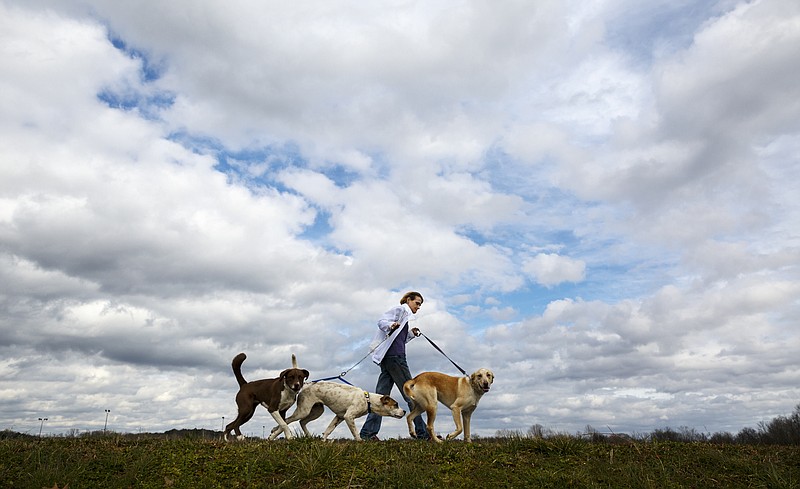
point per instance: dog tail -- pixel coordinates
(294, 361)
(238, 360)
(408, 388)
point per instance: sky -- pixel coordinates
(597, 200)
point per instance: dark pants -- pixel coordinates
(394, 371)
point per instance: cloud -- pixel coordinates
(550, 269)
(597, 202)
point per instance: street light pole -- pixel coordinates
(41, 424)
(223, 424)
(106, 423)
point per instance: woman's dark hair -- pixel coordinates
(410, 296)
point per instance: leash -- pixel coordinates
(338, 377)
(443, 353)
(341, 375)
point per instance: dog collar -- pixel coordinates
(369, 405)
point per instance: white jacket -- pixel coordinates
(400, 314)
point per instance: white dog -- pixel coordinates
(346, 401)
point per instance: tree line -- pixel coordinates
(782, 430)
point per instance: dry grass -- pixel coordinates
(151, 462)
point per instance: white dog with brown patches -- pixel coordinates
(346, 401)
(460, 394)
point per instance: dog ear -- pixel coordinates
(305, 372)
(282, 378)
(385, 399)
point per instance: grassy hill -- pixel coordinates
(116, 461)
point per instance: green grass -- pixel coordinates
(556, 462)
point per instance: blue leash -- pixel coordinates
(341, 375)
(338, 377)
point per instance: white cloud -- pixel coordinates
(601, 197)
(550, 269)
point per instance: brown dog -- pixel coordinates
(277, 395)
(460, 394)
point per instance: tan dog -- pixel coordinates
(460, 394)
(277, 395)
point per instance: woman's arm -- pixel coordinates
(390, 320)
